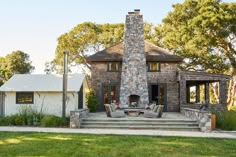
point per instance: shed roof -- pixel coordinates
(42, 83)
(153, 53)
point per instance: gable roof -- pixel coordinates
(42, 83)
(153, 53)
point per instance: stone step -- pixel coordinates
(138, 123)
(137, 120)
(141, 127)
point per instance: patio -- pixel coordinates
(165, 115)
(169, 121)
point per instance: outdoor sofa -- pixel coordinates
(111, 111)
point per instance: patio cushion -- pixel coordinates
(151, 114)
(152, 106)
(113, 107)
(155, 108)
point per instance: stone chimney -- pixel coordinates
(134, 88)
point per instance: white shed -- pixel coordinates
(42, 92)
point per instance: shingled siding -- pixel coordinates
(100, 76)
(167, 75)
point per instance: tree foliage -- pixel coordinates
(16, 62)
(204, 33)
(85, 38)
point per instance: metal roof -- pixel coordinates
(42, 83)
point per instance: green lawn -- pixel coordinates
(83, 145)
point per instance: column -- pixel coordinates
(207, 94)
(182, 94)
(197, 93)
(223, 93)
(187, 94)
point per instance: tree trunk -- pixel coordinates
(231, 92)
(215, 90)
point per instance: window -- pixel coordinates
(113, 66)
(153, 66)
(24, 97)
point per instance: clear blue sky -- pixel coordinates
(33, 26)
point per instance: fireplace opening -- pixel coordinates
(133, 100)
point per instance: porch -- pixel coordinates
(195, 90)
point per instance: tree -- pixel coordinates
(15, 63)
(83, 39)
(204, 33)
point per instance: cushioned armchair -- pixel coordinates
(112, 112)
(156, 112)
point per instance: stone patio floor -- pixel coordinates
(165, 115)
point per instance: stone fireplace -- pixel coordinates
(134, 100)
(134, 72)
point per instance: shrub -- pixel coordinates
(92, 102)
(226, 120)
(19, 120)
(26, 116)
(52, 121)
(29, 116)
(8, 120)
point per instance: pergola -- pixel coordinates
(188, 79)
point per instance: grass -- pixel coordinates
(83, 145)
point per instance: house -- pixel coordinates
(42, 92)
(136, 72)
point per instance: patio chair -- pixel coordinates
(155, 113)
(112, 112)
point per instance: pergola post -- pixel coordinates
(197, 93)
(207, 94)
(182, 92)
(223, 93)
(187, 94)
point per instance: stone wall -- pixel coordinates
(134, 72)
(167, 75)
(99, 76)
(76, 117)
(202, 117)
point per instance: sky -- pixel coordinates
(33, 26)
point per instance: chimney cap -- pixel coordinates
(137, 10)
(130, 13)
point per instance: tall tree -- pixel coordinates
(16, 62)
(204, 33)
(83, 39)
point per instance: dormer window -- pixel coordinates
(154, 66)
(113, 66)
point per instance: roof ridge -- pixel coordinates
(163, 49)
